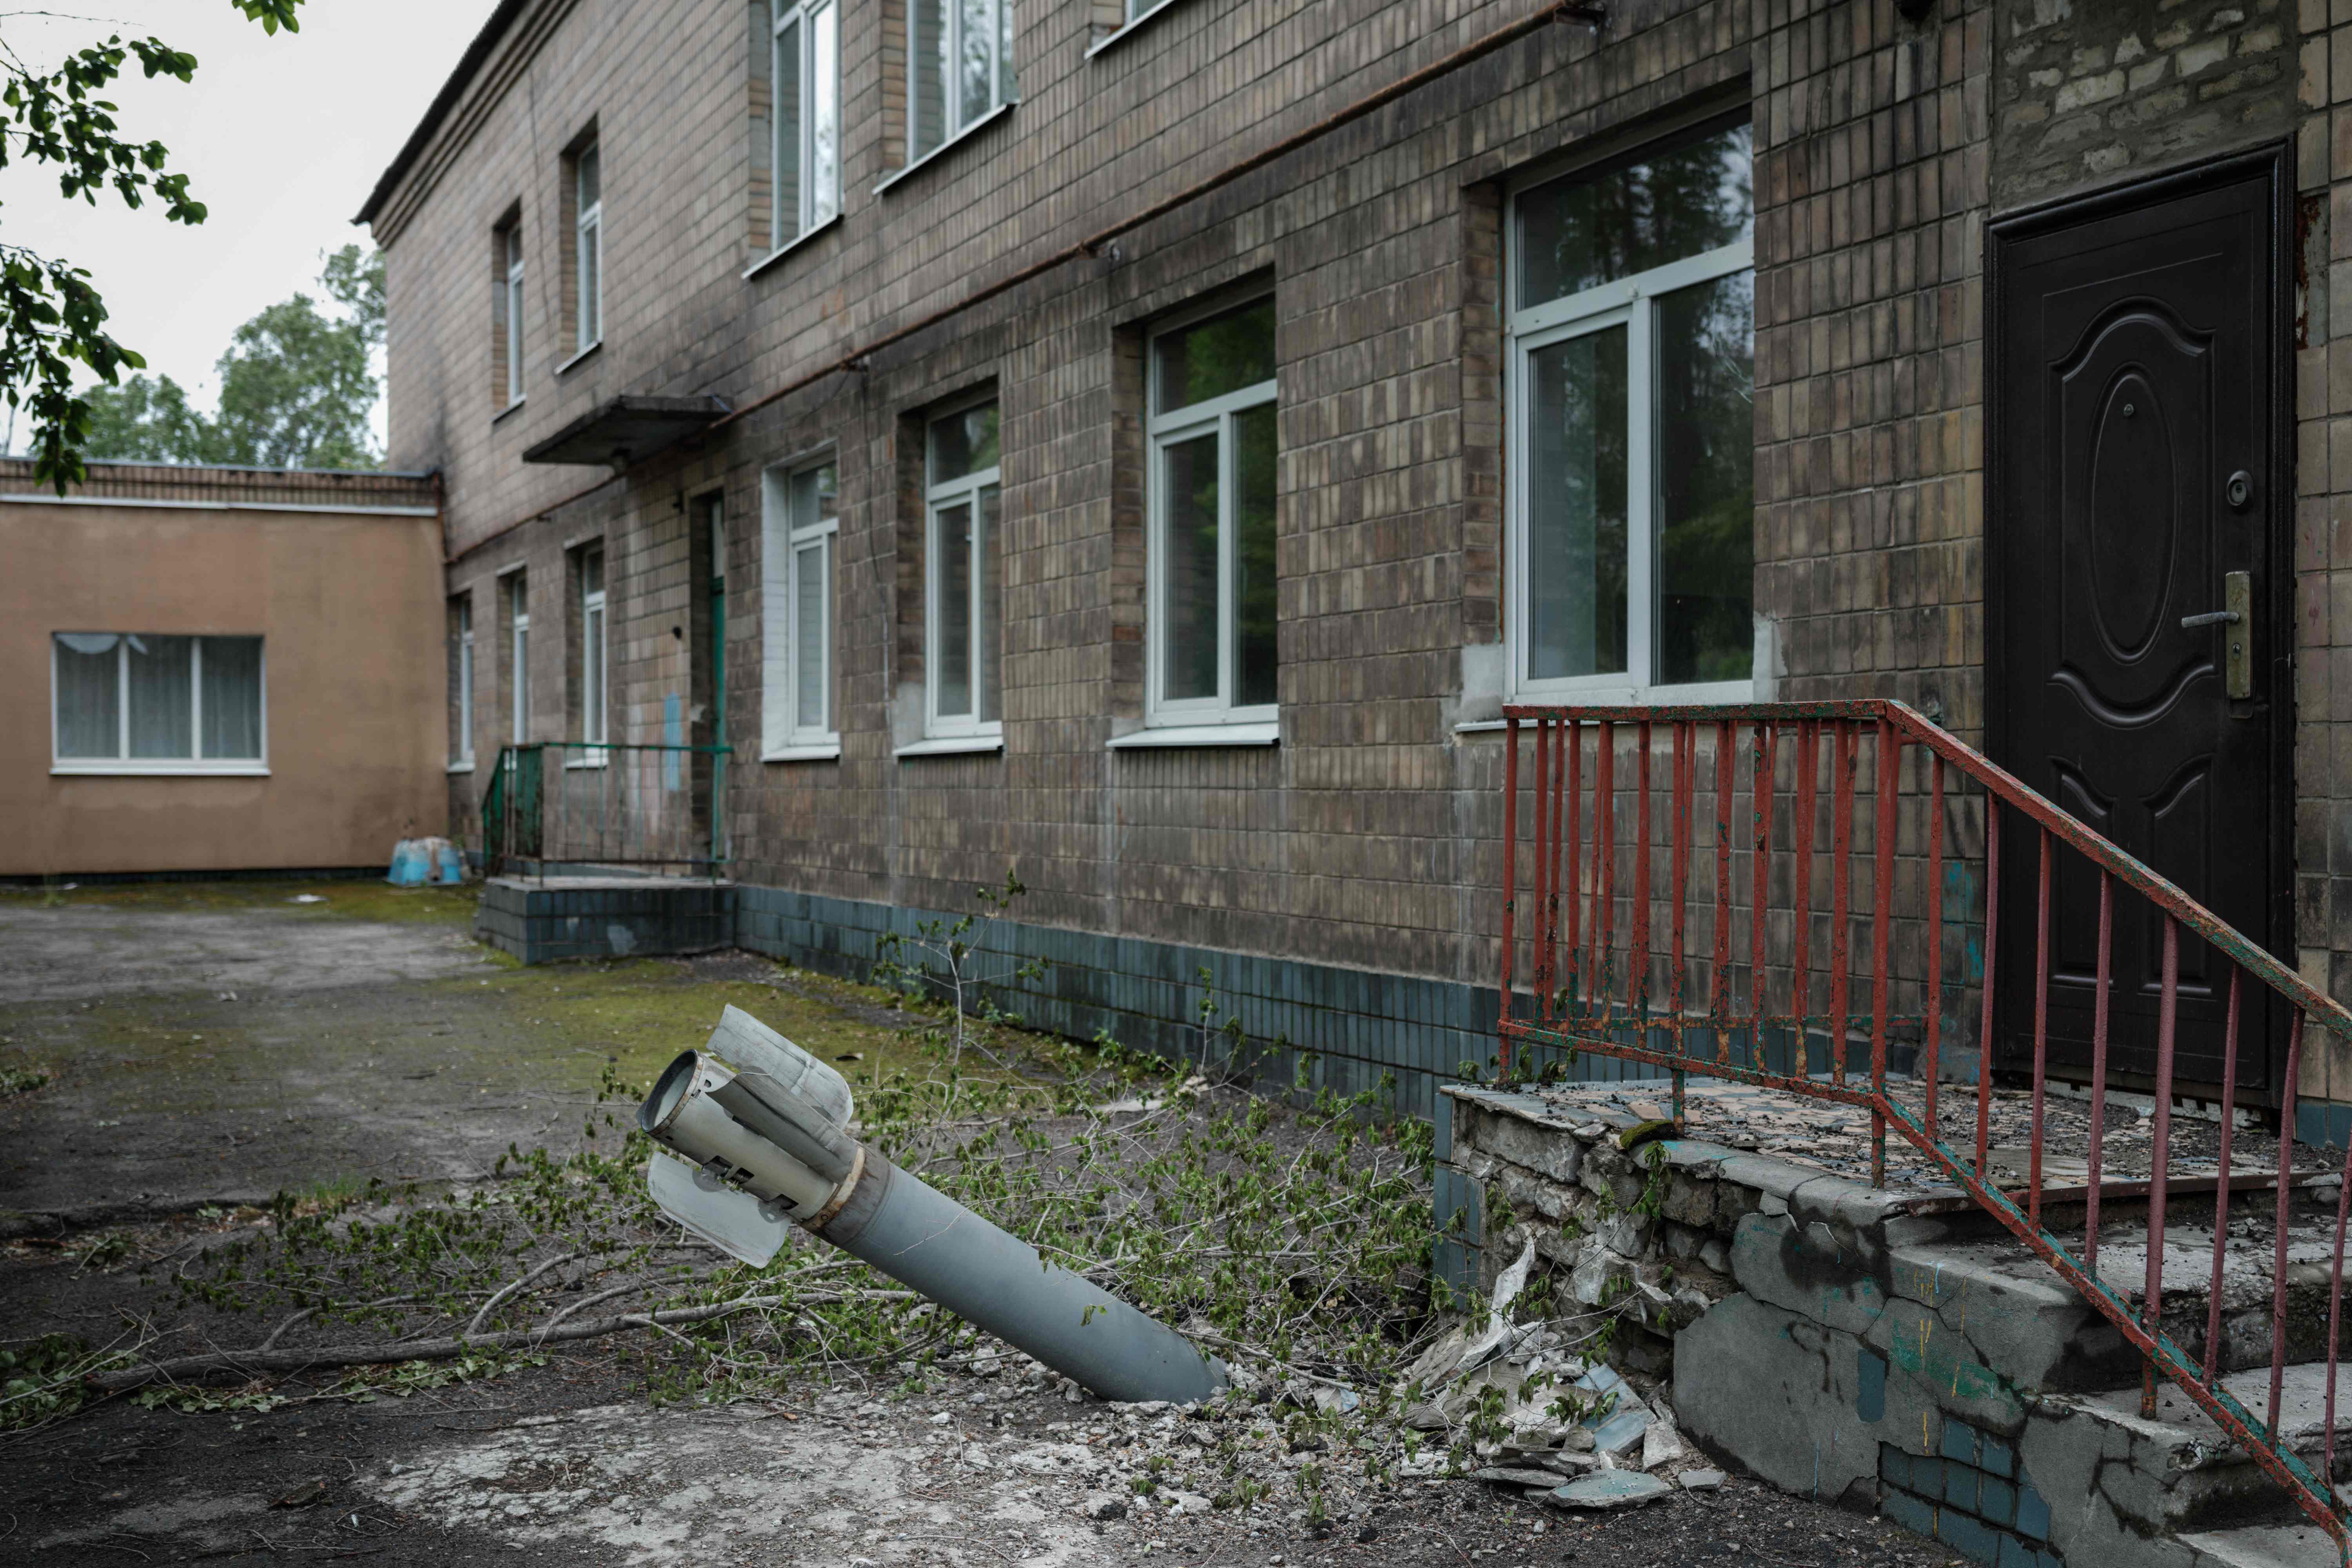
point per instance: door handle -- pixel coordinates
(2238, 663)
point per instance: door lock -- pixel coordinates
(2238, 663)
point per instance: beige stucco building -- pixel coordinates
(218, 669)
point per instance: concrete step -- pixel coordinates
(2302, 1545)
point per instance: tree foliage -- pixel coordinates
(296, 387)
(52, 316)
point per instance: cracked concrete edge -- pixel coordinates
(1783, 1397)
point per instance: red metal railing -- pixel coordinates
(1595, 973)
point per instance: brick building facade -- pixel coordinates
(956, 589)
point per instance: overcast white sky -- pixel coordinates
(282, 138)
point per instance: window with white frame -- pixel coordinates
(806, 77)
(1632, 366)
(801, 519)
(144, 703)
(510, 308)
(1209, 506)
(592, 644)
(964, 585)
(461, 621)
(588, 247)
(518, 655)
(959, 55)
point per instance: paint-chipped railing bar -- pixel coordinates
(576, 807)
(1832, 993)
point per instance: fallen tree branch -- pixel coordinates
(249, 1362)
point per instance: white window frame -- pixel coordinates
(1162, 431)
(518, 655)
(595, 657)
(122, 762)
(464, 759)
(964, 488)
(513, 239)
(951, 100)
(783, 738)
(817, 20)
(588, 239)
(1630, 302)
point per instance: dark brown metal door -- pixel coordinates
(2137, 342)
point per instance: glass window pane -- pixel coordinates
(1253, 609)
(592, 177)
(963, 444)
(591, 267)
(1704, 443)
(1209, 359)
(975, 70)
(927, 106)
(1587, 229)
(815, 495)
(951, 540)
(591, 572)
(787, 81)
(1189, 563)
(1576, 506)
(824, 114)
(810, 589)
(89, 695)
(592, 664)
(988, 646)
(163, 694)
(233, 697)
(1007, 86)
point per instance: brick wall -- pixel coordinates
(1368, 837)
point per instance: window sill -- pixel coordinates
(500, 417)
(580, 356)
(466, 765)
(967, 133)
(821, 751)
(1134, 25)
(1195, 735)
(789, 247)
(952, 745)
(159, 768)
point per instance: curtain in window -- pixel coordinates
(163, 690)
(90, 694)
(232, 697)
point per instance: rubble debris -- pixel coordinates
(1700, 1480)
(1606, 1490)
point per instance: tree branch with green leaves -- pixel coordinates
(52, 316)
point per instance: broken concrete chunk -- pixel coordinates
(1700, 1480)
(1622, 1431)
(1506, 1476)
(1570, 1463)
(1606, 1490)
(1661, 1444)
(1102, 1505)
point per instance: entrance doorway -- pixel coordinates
(2138, 490)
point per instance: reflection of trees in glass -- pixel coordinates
(1254, 606)
(1190, 558)
(1587, 229)
(1577, 506)
(1212, 358)
(1706, 432)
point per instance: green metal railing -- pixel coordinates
(581, 805)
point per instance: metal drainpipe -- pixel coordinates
(766, 1136)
